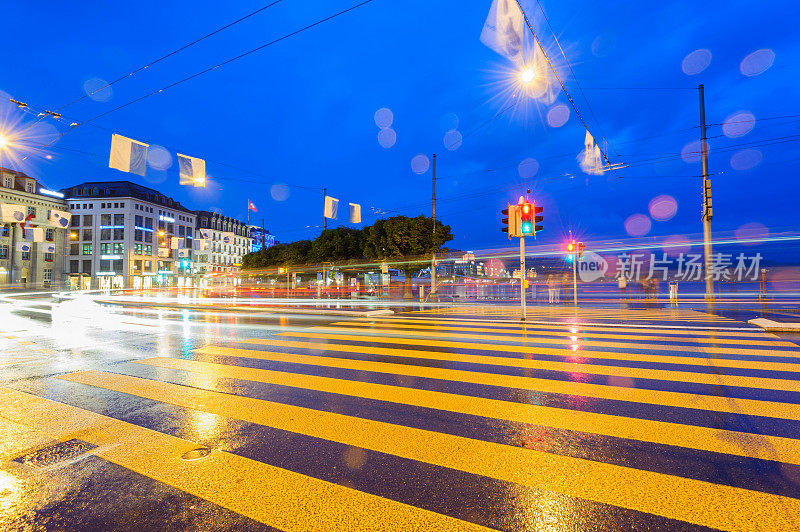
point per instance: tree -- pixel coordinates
(398, 237)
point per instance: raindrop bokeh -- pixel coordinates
(528, 168)
(279, 192)
(662, 208)
(387, 137)
(696, 62)
(452, 139)
(746, 159)
(691, 152)
(420, 163)
(739, 124)
(93, 84)
(558, 115)
(637, 225)
(757, 62)
(384, 117)
(674, 245)
(749, 232)
(158, 157)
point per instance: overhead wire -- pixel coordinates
(174, 52)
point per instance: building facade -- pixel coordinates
(124, 235)
(262, 238)
(36, 267)
(225, 242)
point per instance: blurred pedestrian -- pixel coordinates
(622, 282)
(552, 295)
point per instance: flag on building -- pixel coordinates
(23, 246)
(49, 247)
(331, 207)
(503, 30)
(192, 171)
(12, 213)
(355, 213)
(60, 218)
(227, 238)
(34, 234)
(128, 155)
(251, 206)
(206, 233)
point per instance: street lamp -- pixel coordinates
(527, 75)
(4, 141)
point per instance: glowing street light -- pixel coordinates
(4, 141)
(527, 75)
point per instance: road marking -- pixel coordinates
(277, 497)
(714, 379)
(536, 350)
(537, 333)
(731, 405)
(701, 438)
(667, 329)
(694, 501)
(557, 341)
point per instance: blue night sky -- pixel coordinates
(301, 112)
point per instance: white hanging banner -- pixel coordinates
(128, 155)
(24, 246)
(227, 237)
(12, 213)
(331, 207)
(60, 218)
(503, 30)
(192, 170)
(355, 213)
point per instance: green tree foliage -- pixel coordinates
(399, 237)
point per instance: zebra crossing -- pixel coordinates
(460, 420)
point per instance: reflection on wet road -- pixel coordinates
(450, 419)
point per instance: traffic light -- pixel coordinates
(580, 249)
(537, 219)
(571, 249)
(281, 270)
(526, 218)
(511, 220)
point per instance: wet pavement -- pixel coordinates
(453, 418)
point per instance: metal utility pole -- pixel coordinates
(707, 206)
(522, 276)
(433, 212)
(263, 235)
(575, 280)
(324, 201)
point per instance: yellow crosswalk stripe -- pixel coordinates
(581, 342)
(277, 497)
(610, 314)
(690, 500)
(567, 334)
(569, 367)
(580, 327)
(711, 362)
(701, 438)
(599, 391)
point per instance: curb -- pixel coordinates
(775, 326)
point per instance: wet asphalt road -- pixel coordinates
(453, 418)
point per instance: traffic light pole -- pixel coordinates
(575, 279)
(433, 213)
(522, 275)
(707, 204)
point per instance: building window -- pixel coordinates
(9, 182)
(26, 255)
(87, 249)
(105, 248)
(148, 250)
(119, 234)
(137, 249)
(73, 266)
(87, 267)
(148, 265)
(32, 211)
(87, 220)
(122, 205)
(105, 219)
(119, 219)
(29, 187)
(4, 251)
(105, 234)
(75, 221)
(87, 234)
(4, 230)
(49, 234)
(119, 248)
(74, 249)
(48, 257)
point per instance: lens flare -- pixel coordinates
(637, 225)
(696, 62)
(528, 168)
(527, 75)
(387, 137)
(739, 124)
(420, 164)
(663, 208)
(558, 115)
(757, 62)
(383, 117)
(746, 159)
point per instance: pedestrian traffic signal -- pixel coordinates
(580, 248)
(511, 220)
(537, 219)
